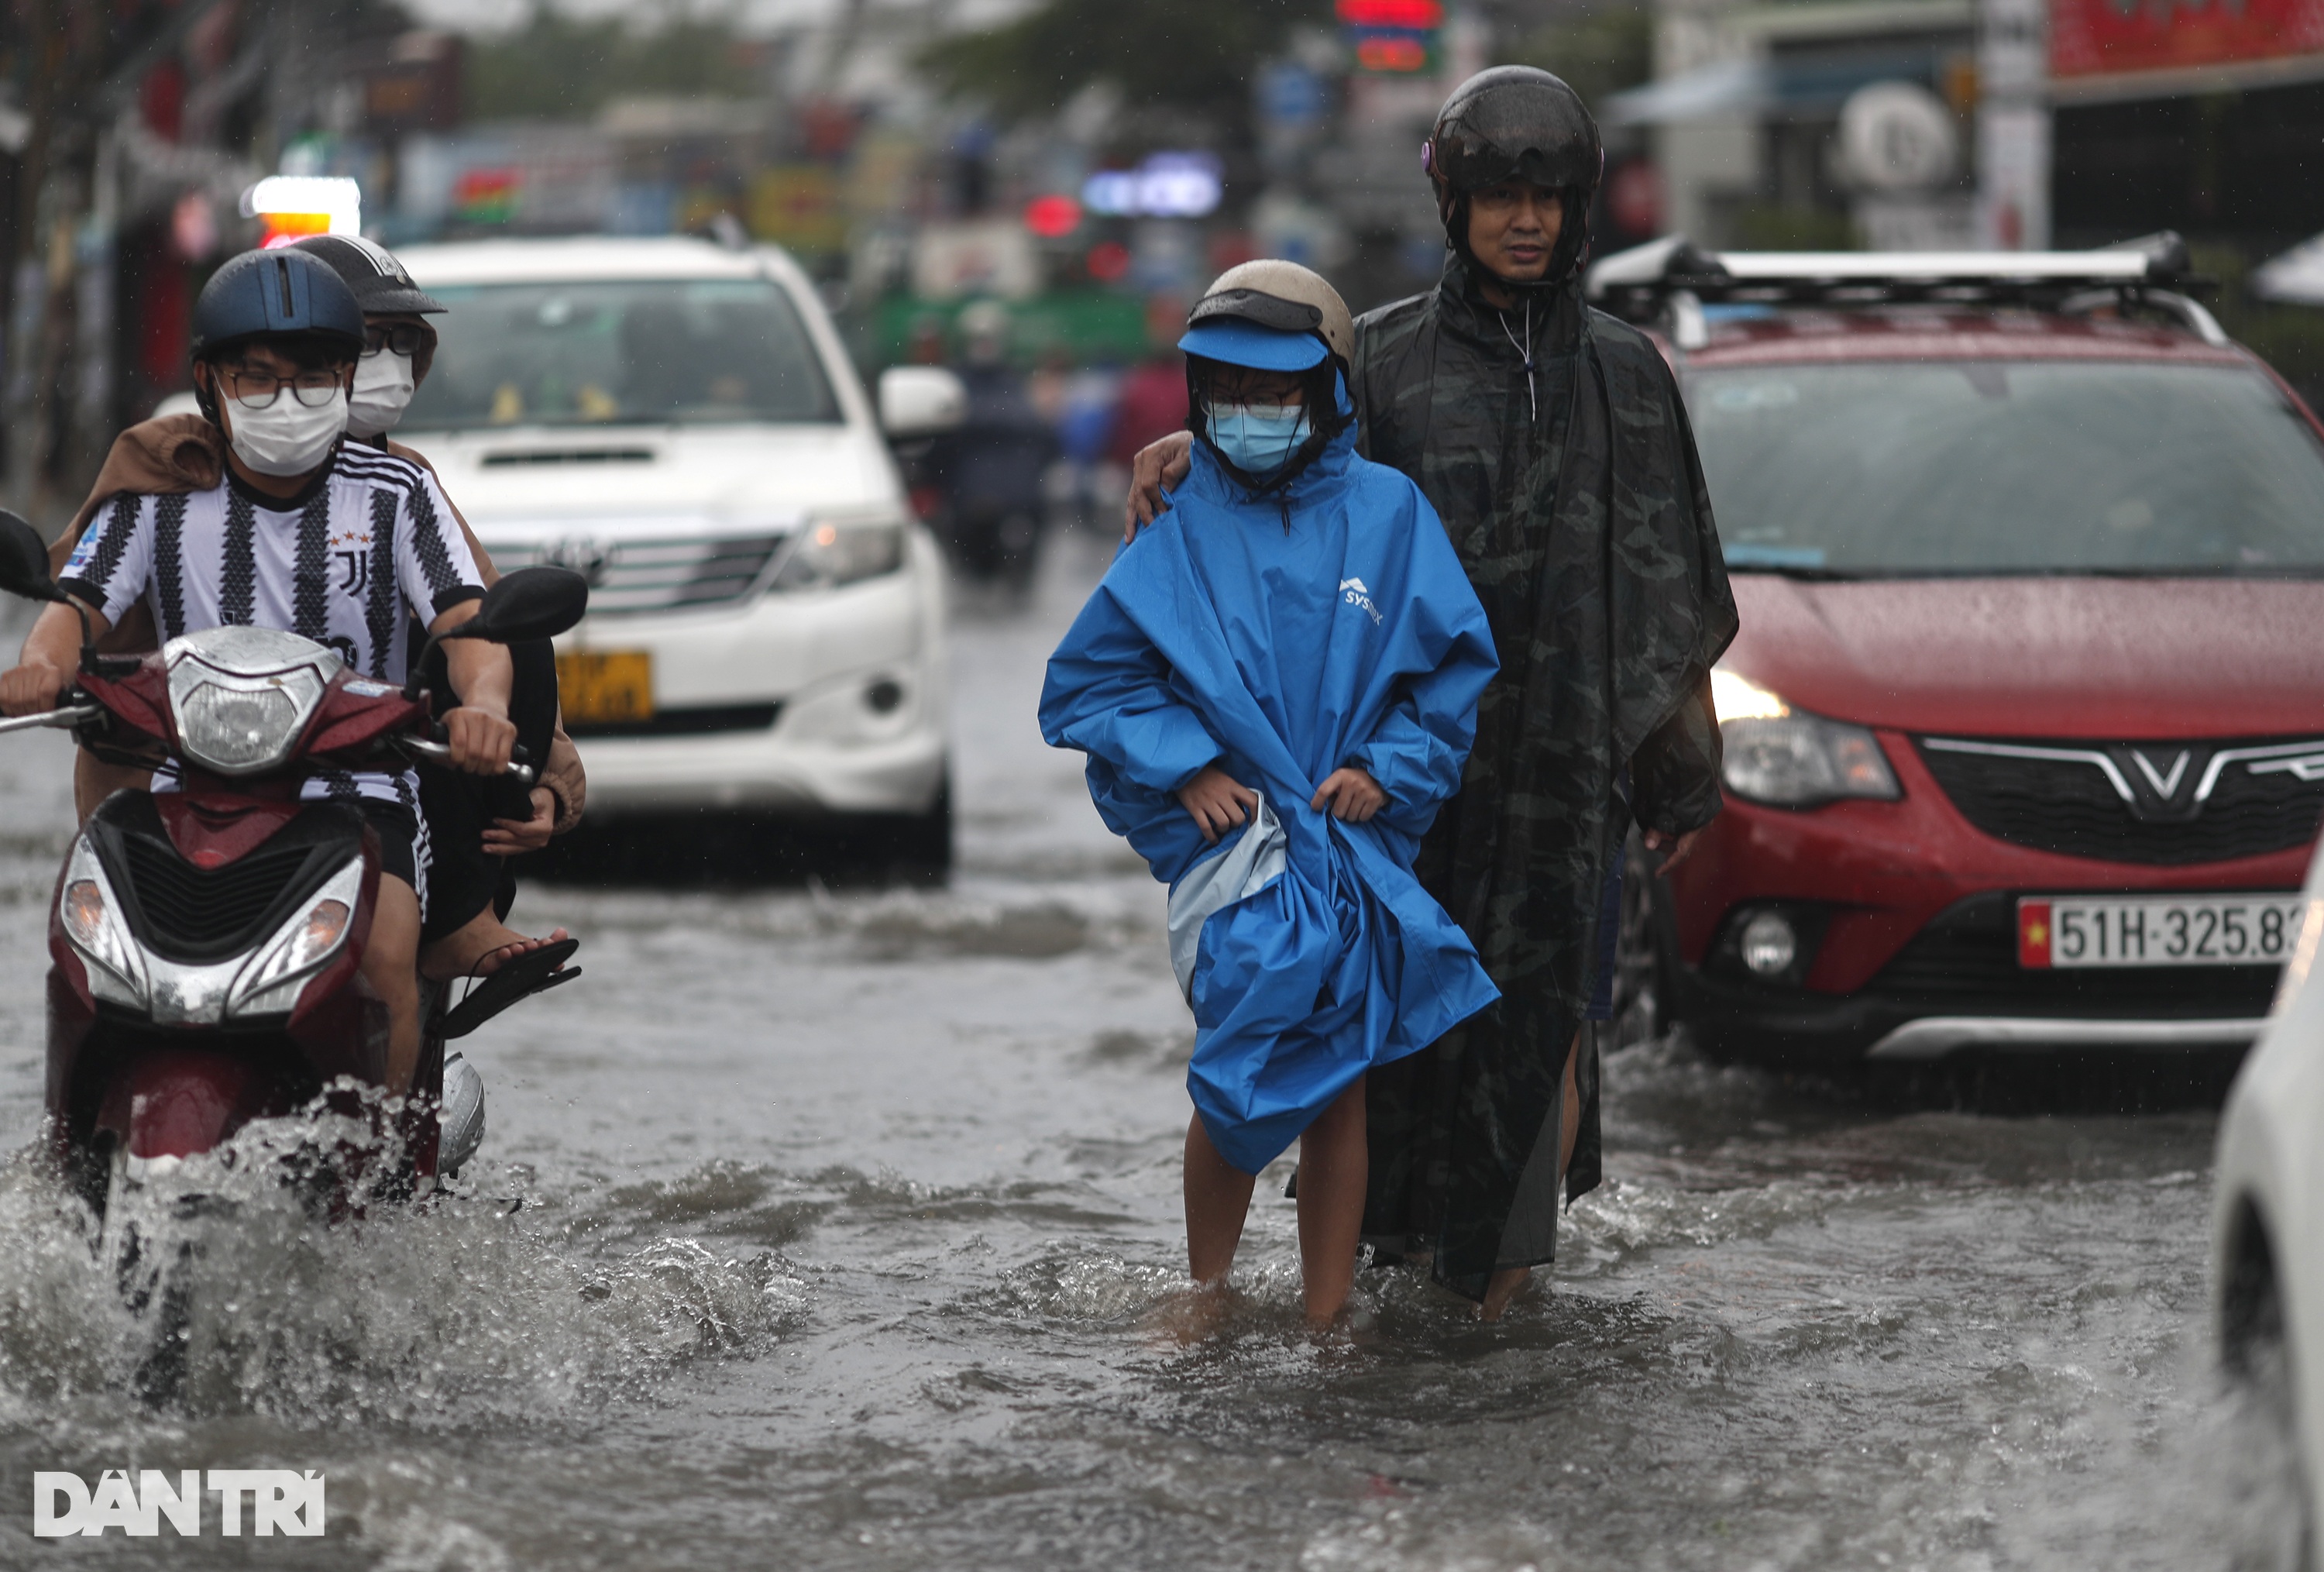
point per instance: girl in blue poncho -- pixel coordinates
(1276, 686)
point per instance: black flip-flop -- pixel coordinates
(518, 977)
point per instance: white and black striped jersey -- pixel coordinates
(367, 546)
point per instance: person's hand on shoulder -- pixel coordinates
(1159, 466)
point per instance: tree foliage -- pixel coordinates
(558, 67)
(1196, 54)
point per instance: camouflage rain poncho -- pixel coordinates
(1578, 509)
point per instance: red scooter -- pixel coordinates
(208, 942)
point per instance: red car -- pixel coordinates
(2024, 728)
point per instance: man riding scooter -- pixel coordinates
(277, 337)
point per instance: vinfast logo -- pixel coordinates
(281, 1501)
(1353, 592)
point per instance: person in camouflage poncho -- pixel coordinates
(1586, 530)
(1551, 439)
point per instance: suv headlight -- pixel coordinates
(830, 553)
(1787, 758)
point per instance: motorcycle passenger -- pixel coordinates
(473, 824)
(304, 534)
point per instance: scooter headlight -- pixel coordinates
(92, 923)
(236, 731)
(1787, 758)
(269, 985)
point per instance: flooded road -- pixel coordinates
(832, 1230)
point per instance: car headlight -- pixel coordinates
(1787, 758)
(269, 985)
(92, 923)
(832, 553)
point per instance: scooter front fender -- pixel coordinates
(177, 1102)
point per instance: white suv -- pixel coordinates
(677, 420)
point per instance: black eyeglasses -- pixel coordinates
(398, 338)
(257, 390)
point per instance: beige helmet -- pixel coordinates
(1283, 296)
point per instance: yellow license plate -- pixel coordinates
(598, 686)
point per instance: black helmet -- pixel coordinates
(382, 287)
(279, 292)
(1516, 122)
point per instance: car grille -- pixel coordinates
(2073, 807)
(195, 913)
(701, 721)
(657, 574)
(1966, 960)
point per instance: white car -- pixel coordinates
(2268, 1218)
(677, 420)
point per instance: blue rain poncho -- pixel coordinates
(1326, 624)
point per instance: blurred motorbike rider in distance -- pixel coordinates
(474, 823)
(277, 336)
(1551, 441)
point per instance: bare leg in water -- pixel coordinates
(1332, 1172)
(1503, 1286)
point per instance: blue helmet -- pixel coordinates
(283, 290)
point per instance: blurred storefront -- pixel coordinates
(2000, 122)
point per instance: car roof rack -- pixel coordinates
(1669, 280)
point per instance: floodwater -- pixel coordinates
(825, 1229)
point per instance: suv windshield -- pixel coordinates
(689, 352)
(2009, 467)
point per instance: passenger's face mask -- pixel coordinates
(1257, 439)
(384, 385)
(285, 438)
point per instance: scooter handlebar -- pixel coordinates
(438, 753)
(68, 716)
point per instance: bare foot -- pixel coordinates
(1191, 1315)
(478, 950)
(1503, 1287)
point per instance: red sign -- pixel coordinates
(2034, 933)
(2089, 38)
(1421, 15)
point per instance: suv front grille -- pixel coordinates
(657, 574)
(2108, 801)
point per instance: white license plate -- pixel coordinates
(2157, 931)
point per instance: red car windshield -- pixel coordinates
(1985, 466)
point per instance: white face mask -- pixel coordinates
(383, 387)
(286, 437)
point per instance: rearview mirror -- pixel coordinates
(532, 603)
(921, 401)
(24, 560)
